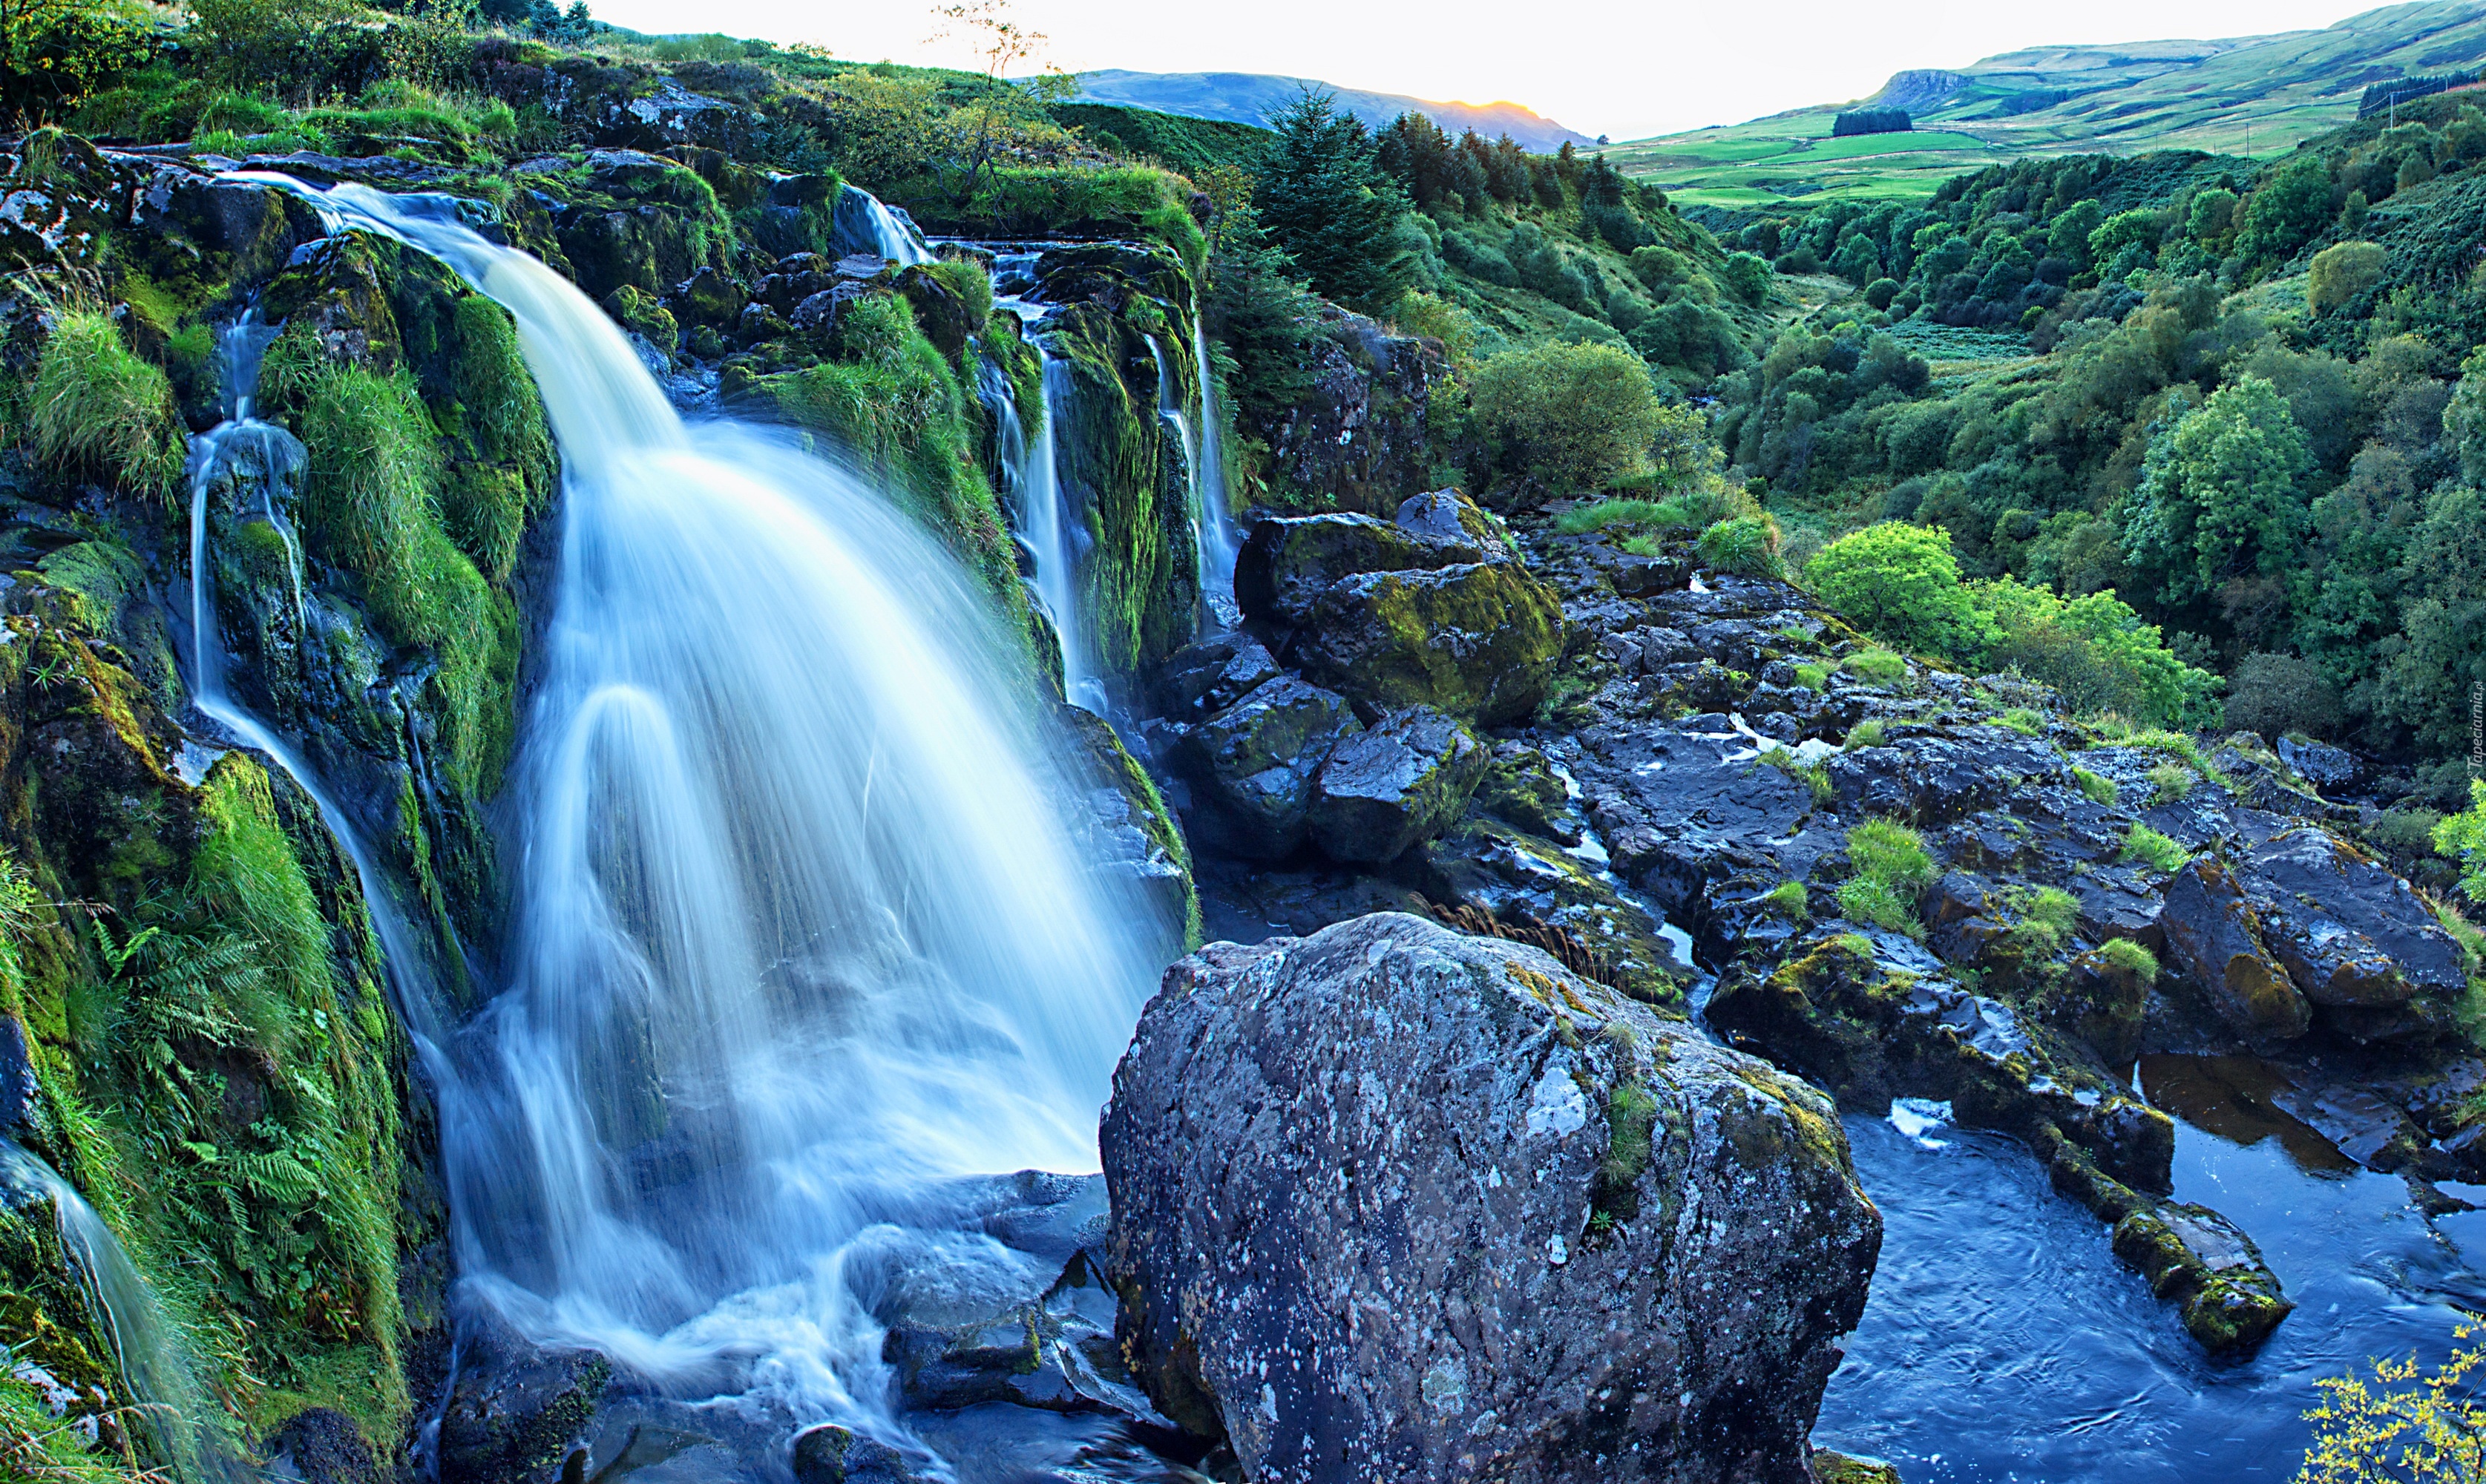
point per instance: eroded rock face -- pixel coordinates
(518, 1409)
(1252, 765)
(2350, 933)
(1391, 1203)
(2211, 932)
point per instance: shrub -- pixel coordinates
(2343, 272)
(97, 408)
(1565, 417)
(1746, 276)
(1902, 583)
(1893, 871)
(2095, 650)
(1579, 520)
(1438, 319)
(2277, 693)
(2154, 850)
(2408, 1424)
(1744, 544)
(1881, 291)
(2462, 838)
(1880, 667)
(2100, 788)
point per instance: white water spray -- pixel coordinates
(1219, 539)
(801, 935)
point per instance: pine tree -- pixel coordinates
(1327, 204)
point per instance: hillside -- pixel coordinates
(2120, 98)
(1248, 97)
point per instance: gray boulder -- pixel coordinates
(1391, 1203)
(2350, 933)
(1394, 785)
(2211, 932)
(1251, 765)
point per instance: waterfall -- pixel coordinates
(1045, 520)
(146, 1349)
(801, 937)
(863, 222)
(1219, 540)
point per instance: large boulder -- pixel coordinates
(2211, 933)
(2350, 933)
(1477, 640)
(1251, 765)
(1391, 1203)
(1399, 782)
(1431, 607)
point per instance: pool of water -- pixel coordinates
(2002, 1341)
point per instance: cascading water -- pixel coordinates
(802, 939)
(1046, 530)
(1219, 539)
(862, 218)
(146, 1349)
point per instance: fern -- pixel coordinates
(276, 1175)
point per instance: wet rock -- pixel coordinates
(2205, 1265)
(2211, 934)
(322, 1446)
(1521, 788)
(1391, 1203)
(840, 1455)
(1250, 766)
(1938, 779)
(1398, 783)
(1360, 432)
(1833, 1467)
(2105, 1001)
(2322, 765)
(1287, 563)
(517, 1409)
(1205, 677)
(1129, 833)
(2349, 932)
(18, 1082)
(943, 316)
(1478, 642)
(1535, 891)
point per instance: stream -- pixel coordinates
(2005, 1342)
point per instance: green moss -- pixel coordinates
(1631, 1120)
(973, 285)
(2154, 850)
(490, 500)
(96, 408)
(1880, 667)
(2100, 788)
(1814, 775)
(2044, 918)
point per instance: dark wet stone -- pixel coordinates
(1355, 1180)
(838, 1455)
(2321, 764)
(2211, 936)
(1250, 766)
(2206, 1266)
(517, 1409)
(2350, 932)
(1396, 783)
(323, 1447)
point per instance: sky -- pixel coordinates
(1627, 69)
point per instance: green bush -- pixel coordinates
(2277, 693)
(2462, 838)
(2154, 850)
(2342, 272)
(96, 408)
(2094, 649)
(1892, 872)
(1901, 583)
(1880, 667)
(1565, 416)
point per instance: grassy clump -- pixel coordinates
(2130, 957)
(1747, 545)
(1813, 774)
(1579, 520)
(1867, 733)
(97, 408)
(1812, 677)
(370, 503)
(2100, 788)
(2024, 721)
(1893, 871)
(2047, 917)
(1631, 1123)
(1879, 667)
(2154, 850)
(2170, 781)
(1787, 900)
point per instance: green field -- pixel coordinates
(2262, 92)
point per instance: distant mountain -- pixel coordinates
(2262, 92)
(1256, 98)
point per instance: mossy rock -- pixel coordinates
(1478, 642)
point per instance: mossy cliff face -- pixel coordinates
(1123, 463)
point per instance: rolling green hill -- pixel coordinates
(2211, 96)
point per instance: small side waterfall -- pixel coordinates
(145, 1347)
(864, 222)
(803, 940)
(1219, 539)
